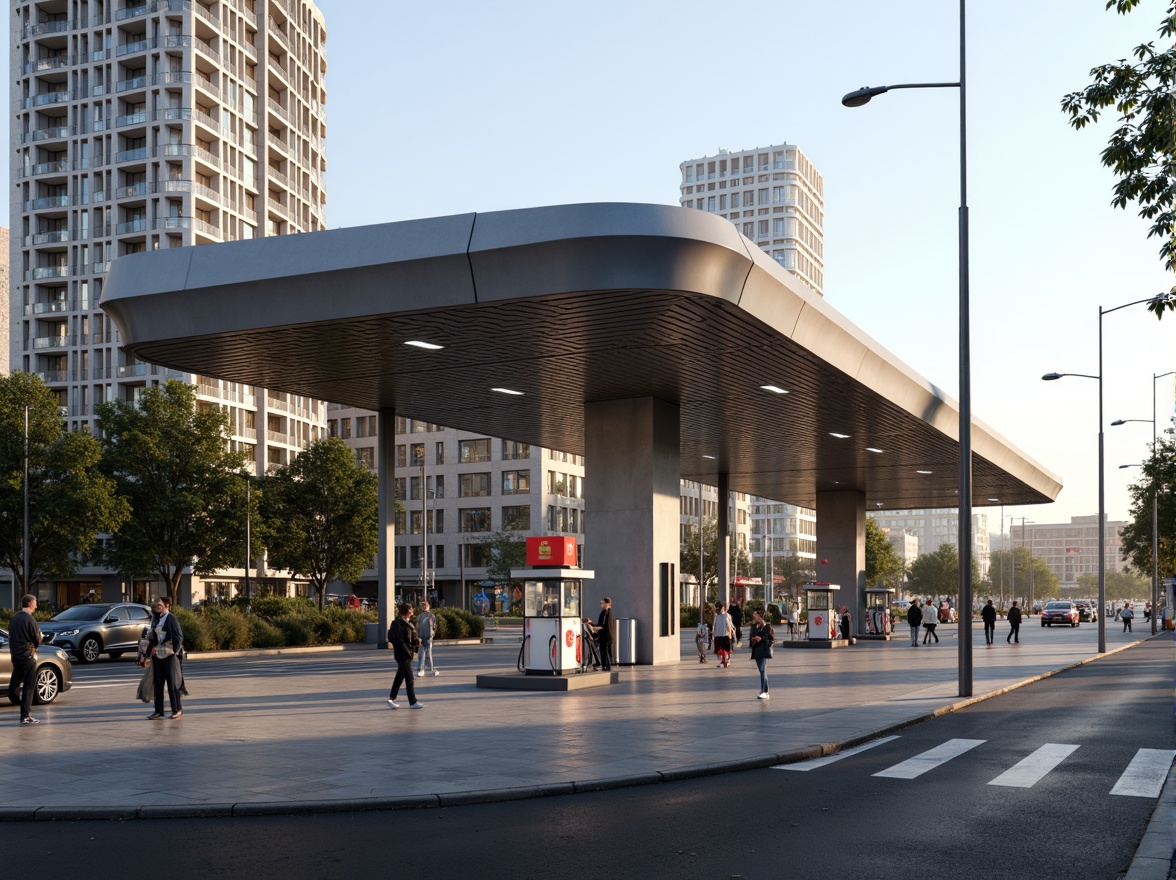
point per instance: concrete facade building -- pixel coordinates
(1071, 549)
(774, 196)
(935, 527)
(155, 125)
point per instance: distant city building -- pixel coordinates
(774, 196)
(1071, 549)
(936, 527)
(779, 530)
(905, 544)
(138, 127)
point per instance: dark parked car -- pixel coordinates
(1062, 613)
(53, 671)
(1087, 612)
(91, 629)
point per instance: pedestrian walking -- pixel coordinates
(1127, 615)
(762, 639)
(24, 637)
(915, 619)
(426, 629)
(1014, 624)
(793, 620)
(988, 615)
(736, 613)
(403, 638)
(724, 630)
(930, 621)
(167, 641)
(701, 639)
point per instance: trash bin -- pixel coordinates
(626, 641)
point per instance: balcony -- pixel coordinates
(48, 27)
(55, 237)
(46, 202)
(57, 97)
(51, 376)
(139, 118)
(43, 343)
(46, 308)
(129, 371)
(59, 132)
(127, 192)
(42, 272)
(137, 46)
(139, 224)
(135, 155)
(132, 84)
(46, 168)
(43, 64)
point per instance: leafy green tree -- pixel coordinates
(1008, 570)
(506, 550)
(1119, 585)
(938, 573)
(1159, 476)
(1140, 151)
(70, 500)
(171, 461)
(688, 555)
(883, 565)
(321, 514)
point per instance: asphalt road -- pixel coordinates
(838, 820)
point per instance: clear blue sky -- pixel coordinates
(438, 109)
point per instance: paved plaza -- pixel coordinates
(313, 731)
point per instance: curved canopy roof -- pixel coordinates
(572, 304)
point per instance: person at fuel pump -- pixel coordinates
(1014, 624)
(762, 639)
(602, 629)
(988, 615)
(915, 619)
(403, 638)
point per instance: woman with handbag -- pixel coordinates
(164, 656)
(762, 639)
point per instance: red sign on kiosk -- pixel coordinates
(555, 551)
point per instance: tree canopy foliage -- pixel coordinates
(1119, 585)
(1008, 576)
(321, 515)
(506, 550)
(688, 555)
(1159, 476)
(171, 462)
(70, 500)
(884, 567)
(1141, 150)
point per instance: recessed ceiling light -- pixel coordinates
(839, 436)
(994, 500)
(775, 389)
(508, 391)
(924, 472)
(416, 343)
(874, 449)
(709, 457)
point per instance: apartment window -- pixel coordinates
(333, 427)
(414, 553)
(710, 203)
(414, 488)
(417, 454)
(512, 450)
(516, 519)
(401, 488)
(400, 521)
(749, 230)
(777, 195)
(439, 485)
(722, 203)
(475, 519)
(401, 455)
(778, 227)
(401, 425)
(345, 429)
(365, 456)
(438, 555)
(400, 556)
(439, 452)
(516, 482)
(763, 228)
(475, 450)
(735, 199)
(475, 485)
(439, 521)
(415, 522)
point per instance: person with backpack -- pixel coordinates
(762, 639)
(1127, 615)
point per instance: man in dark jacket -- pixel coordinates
(915, 619)
(403, 638)
(988, 615)
(23, 638)
(603, 631)
(736, 612)
(1014, 624)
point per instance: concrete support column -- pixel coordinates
(841, 539)
(386, 556)
(724, 538)
(631, 492)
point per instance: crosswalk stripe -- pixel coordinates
(1145, 775)
(929, 760)
(1033, 768)
(814, 763)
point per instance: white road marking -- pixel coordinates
(929, 760)
(1145, 775)
(1033, 768)
(814, 763)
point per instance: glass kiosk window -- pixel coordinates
(818, 601)
(541, 598)
(571, 599)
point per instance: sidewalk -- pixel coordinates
(255, 741)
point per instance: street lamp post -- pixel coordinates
(857, 99)
(26, 544)
(1165, 297)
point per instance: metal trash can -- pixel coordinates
(626, 641)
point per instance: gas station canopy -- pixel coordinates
(531, 314)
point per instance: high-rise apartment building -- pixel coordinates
(773, 195)
(935, 527)
(1071, 549)
(147, 124)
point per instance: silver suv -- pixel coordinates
(95, 628)
(53, 671)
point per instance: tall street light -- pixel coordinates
(857, 99)
(1162, 298)
(26, 545)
